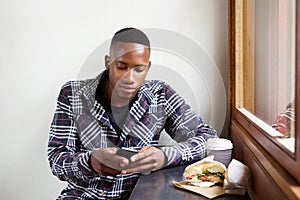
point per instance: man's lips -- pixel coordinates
(127, 88)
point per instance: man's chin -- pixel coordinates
(126, 96)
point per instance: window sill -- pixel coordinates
(276, 175)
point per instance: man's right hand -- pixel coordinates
(106, 162)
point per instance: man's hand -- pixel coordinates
(106, 162)
(146, 160)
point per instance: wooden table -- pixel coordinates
(158, 185)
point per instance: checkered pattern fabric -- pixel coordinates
(80, 124)
(285, 120)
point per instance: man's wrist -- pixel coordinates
(165, 160)
(90, 164)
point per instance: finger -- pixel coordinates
(144, 149)
(110, 159)
(116, 162)
(147, 164)
(142, 154)
(102, 168)
(140, 169)
(107, 171)
(119, 159)
(148, 159)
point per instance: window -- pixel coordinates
(266, 76)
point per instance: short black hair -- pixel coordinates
(131, 35)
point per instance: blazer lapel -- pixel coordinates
(146, 102)
(88, 114)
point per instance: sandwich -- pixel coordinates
(210, 171)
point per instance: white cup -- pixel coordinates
(221, 148)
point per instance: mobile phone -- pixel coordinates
(126, 152)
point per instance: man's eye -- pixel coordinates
(121, 66)
(139, 69)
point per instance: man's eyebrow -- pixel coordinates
(138, 65)
(141, 65)
(122, 62)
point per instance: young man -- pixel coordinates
(95, 118)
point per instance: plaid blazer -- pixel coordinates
(80, 124)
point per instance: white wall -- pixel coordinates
(45, 43)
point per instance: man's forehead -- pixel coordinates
(121, 48)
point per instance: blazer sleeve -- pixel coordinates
(187, 128)
(66, 158)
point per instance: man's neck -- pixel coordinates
(113, 99)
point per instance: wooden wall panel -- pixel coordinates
(262, 186)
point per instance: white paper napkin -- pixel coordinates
(237, 178)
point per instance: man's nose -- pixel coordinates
(129, 76)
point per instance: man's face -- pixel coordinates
(128, 65)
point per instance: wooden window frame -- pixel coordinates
(241, 56)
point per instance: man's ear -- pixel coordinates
(106, 59)
(149, 65)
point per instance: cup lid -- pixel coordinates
(218, 144)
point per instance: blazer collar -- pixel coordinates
(145, 99)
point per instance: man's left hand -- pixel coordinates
(146, 160)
